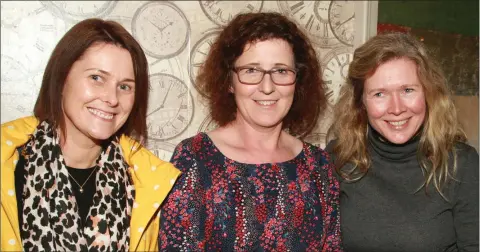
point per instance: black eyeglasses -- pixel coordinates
(281, 76)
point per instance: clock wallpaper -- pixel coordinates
(176, 36)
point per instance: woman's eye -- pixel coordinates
(125, 87)
(379, 94)
(251, 70)
(95, 77)
(408, 90)
(281, 71)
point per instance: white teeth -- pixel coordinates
(399, 123)
(101, 114)
(266, 103)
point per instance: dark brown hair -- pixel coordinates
(69, 49)
(214, 78)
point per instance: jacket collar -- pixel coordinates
(153, 178)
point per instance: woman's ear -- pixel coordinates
(230, 89)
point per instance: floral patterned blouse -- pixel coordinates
(219, 204)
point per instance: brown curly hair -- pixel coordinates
(214, 77)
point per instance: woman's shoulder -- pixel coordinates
(319, 154)
(467, 158)
(193, 144)
(20, 126)
(193, 149)
(15, 134)
(463, 148)
(138, 156)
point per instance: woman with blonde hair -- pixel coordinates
(409, 182)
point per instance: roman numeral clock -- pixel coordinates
(341, 17)
(312, 16)
(330, 26)
(335, 70)
(199, 53)
(170, 107)
(163, 31)
(221, 12)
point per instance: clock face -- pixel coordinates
(170, 107)
(28, 38)
(12, 70)
(342, 17)
(221, 12)
(15, 106)
(199, 53)
(12, 13)
(75, 11)
(161, 149)
(207, 125)
(335, 72)
(170, 66)
(312, 17)
(161, 28)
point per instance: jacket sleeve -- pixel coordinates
(465, 209)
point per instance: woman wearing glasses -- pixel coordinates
(251, 184)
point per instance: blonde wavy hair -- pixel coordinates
(440, 129)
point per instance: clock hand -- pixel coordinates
(156, 26)
(163, 102)
(169, 24)
(350, 18)
(165, 98)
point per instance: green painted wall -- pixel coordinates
(453, 16)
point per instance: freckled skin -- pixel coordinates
(395, 100)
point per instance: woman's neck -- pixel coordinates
(79, 151)
(257, 138)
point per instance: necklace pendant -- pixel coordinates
(81, 190)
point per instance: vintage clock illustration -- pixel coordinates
(170, 107)
(161, 28)
(12, 13)
(335, 71)
(199, 53)
(341, 16)
(161, 149)
(317, 139)
(28, 39)
(125, 21)
(312, 16)
(12, 70)
(221, 12)
(75, 11)
(170, 65)
(207, 124)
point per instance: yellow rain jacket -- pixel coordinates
(152, 177)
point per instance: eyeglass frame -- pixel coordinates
(236, 69)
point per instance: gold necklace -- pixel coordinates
(81, 186)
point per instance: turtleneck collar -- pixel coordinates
(391, 151)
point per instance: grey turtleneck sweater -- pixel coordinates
(382, 211)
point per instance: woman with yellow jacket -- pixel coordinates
(75, 177)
